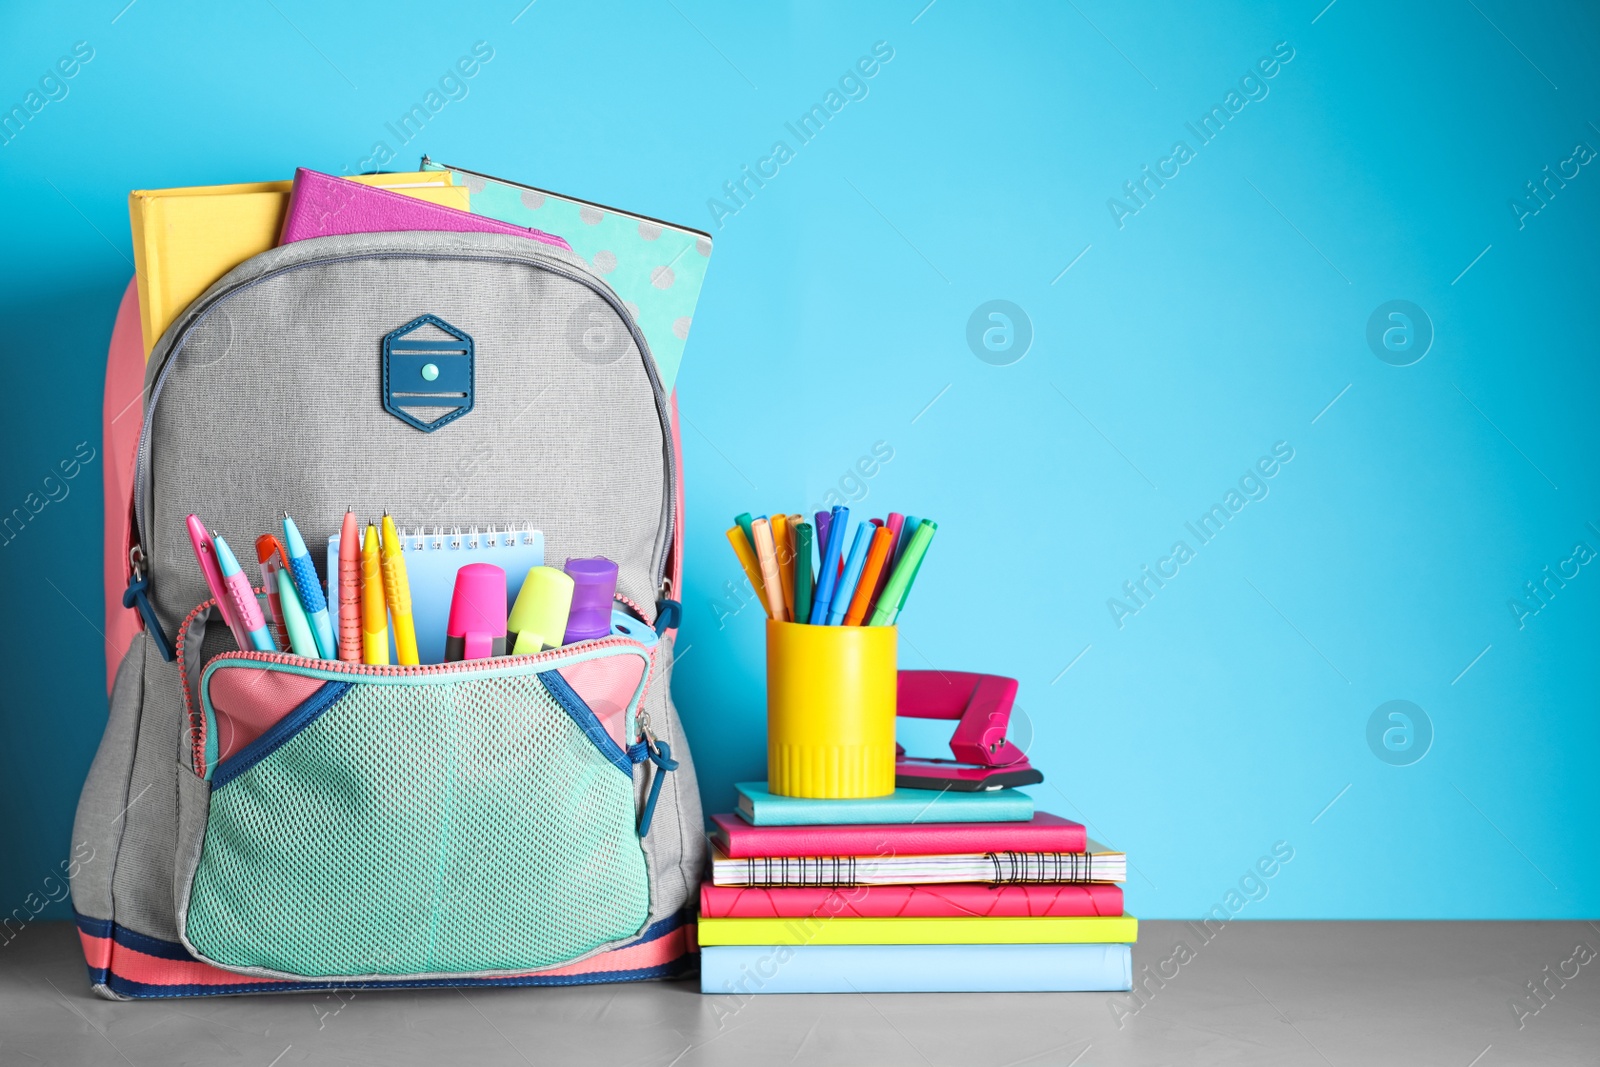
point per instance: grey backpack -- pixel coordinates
(520, 820)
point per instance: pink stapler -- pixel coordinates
(984, 759)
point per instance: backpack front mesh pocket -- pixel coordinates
(433, 824)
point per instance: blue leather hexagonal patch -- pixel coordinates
(427, 373)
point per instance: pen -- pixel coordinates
(908, 528)
(893, 524)
(350, 637)
(206, 553)
(269, 553)
(804, 579)
(752, 567)
(374, 613)
(823, 519)
(301, 643)
(312, 601)
(242, 598)
(397, 591)
(767, 553)
(744, 523)
(839, 606)
(783, 550)
(877, 556)
(894, 594)
(828, 569)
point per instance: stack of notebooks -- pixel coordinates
(185, 239)
(919, 891)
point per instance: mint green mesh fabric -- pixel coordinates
(445, 827)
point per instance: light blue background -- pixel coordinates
(1224, 317)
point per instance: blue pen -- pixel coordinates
(828, 575)
(852, 574)
(304, 573)
(246, 612)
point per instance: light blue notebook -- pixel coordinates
(761, 808)
(743, 969)
(431, 563)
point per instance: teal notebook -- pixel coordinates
(761, 808)
(656, 267)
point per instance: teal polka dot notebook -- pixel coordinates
(657, 268)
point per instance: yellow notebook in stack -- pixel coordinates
(185, 239)
(903, 930)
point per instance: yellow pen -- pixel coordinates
(397, 591)
(374, 617)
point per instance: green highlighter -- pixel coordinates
(894, 594)
(805, 579)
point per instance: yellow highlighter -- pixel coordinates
(397, 591)
(374, 612)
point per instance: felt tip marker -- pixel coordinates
(828, 571)
(839, 606)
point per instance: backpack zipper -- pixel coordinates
(141, 480)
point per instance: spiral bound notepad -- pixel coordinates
(432, 557)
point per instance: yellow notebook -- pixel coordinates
(185, 239)
(946, 930)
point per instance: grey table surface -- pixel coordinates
(1322, 993)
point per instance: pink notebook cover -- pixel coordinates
(909, 901)
(1043, 833)
(321, 205)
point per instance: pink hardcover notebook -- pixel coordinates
(1043, 833)
(908, 901)
(321, 205)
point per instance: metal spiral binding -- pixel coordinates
(493, 536)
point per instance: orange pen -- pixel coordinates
(877, 554)
(782, 545)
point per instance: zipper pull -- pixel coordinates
(669, 615)
(661, 755)
(137, 595)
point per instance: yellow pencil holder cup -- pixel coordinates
(830, 710)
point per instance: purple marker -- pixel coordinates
(594, 589)
(823, 519)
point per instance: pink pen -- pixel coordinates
(896, 521)
(206, 553)
(243, 600)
